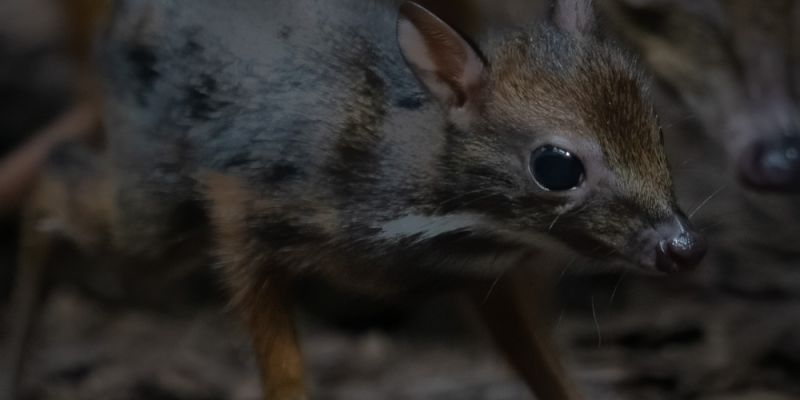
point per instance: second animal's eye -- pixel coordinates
(556, 169)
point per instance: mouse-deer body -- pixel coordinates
(371, 145)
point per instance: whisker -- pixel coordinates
(560, 318)
(616, 287)
(552, 224)
(597, 325)
(491, 288)
(685, 118)
(704, 202)
(564, 271)
(608, 253)
(710, 226)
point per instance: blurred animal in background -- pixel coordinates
(382, 152)
(734, 66)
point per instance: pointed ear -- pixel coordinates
(576, 17)
(442, 60)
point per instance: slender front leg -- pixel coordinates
(268, 314)
(260, 290)
(512, 310)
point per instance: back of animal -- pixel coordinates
(262, 89)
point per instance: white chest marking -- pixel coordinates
(428, 226)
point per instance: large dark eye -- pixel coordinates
(556, 169)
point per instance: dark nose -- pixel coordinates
(682, 249)
(772, 164)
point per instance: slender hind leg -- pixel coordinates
(69, 204)
(26, 299)
(270, 321)
(512, 312)
(261, 292)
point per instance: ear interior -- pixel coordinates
(445, 63)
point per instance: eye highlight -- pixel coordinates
(556, 169)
